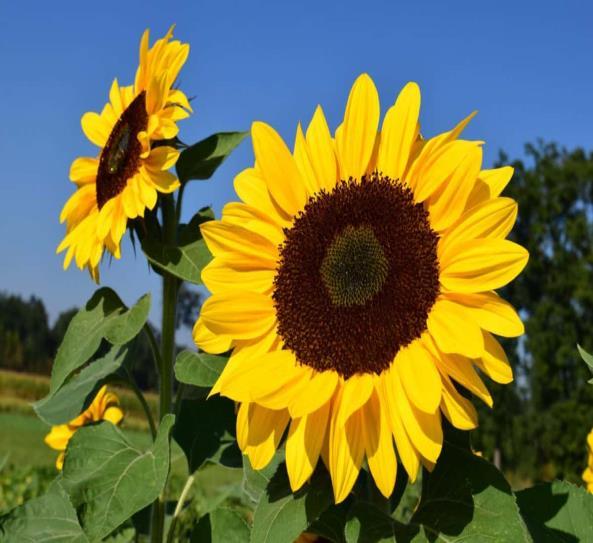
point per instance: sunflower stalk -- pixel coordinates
(167, 354)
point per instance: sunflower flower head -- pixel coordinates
(588, 472)
(105, 406)
(354, 283)
(124, 179)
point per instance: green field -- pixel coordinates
(27, 464)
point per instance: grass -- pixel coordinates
(19, 390)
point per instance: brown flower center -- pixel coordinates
(357, 276)
(120, 158)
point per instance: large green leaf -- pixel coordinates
(201, 160)
(281, 516)
(77, 393)
(186, 259)
(467, 499)
(109, 479)
(557, 512)
(256, 481)
(205, 431)
(104, 317)
(221, 526)
(50, 518)
(199, 369)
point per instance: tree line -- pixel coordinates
(28, 343)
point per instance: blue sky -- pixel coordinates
(526, 66)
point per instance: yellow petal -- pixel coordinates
(361, 121)
(346, 450)
(453, 330)
(490, 312)
(435, 166)
(424, 429)
(407, 454)
(399, 132)
(294, 383)
(260, 376)
(278, 168)
(497, 179)
(60, 461)
(303, 445)
(240, 315)
(84, 170)
(303, 162)
(252, 189)
(490, 219)
(58, 437)
(480, 265)
(227, 240)
(447, 204)
(245, 350)
(113, 414)
(419, 376)
(242, 426)
(265, 431)
(379, 445)
(254, 220)
(462, 370)
(209, 341)
(355, 393)
(95, 128)
(319, 391)
(220, 276)
(494, 362)
(459, 410)
(321, 151)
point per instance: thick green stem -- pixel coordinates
(170, 288)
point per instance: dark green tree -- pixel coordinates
(544, 419)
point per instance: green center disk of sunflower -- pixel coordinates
(357, 276)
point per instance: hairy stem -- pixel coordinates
(170, 289)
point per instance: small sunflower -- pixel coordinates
(355, 284)
(588, 473)
(105, 406)
(130, 170)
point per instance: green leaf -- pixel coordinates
(104, 317)
(109, 479)
(466, 498)
(199, 369)
(370, 525)
(256, 481)
(185, 260)
(221, 526)
(557, 511)
(78, 392)
(205, 431)
(51, 517)
(588, 359)
(281, 516)
(202, 159)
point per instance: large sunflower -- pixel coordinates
(123, 180)
(354, 284)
